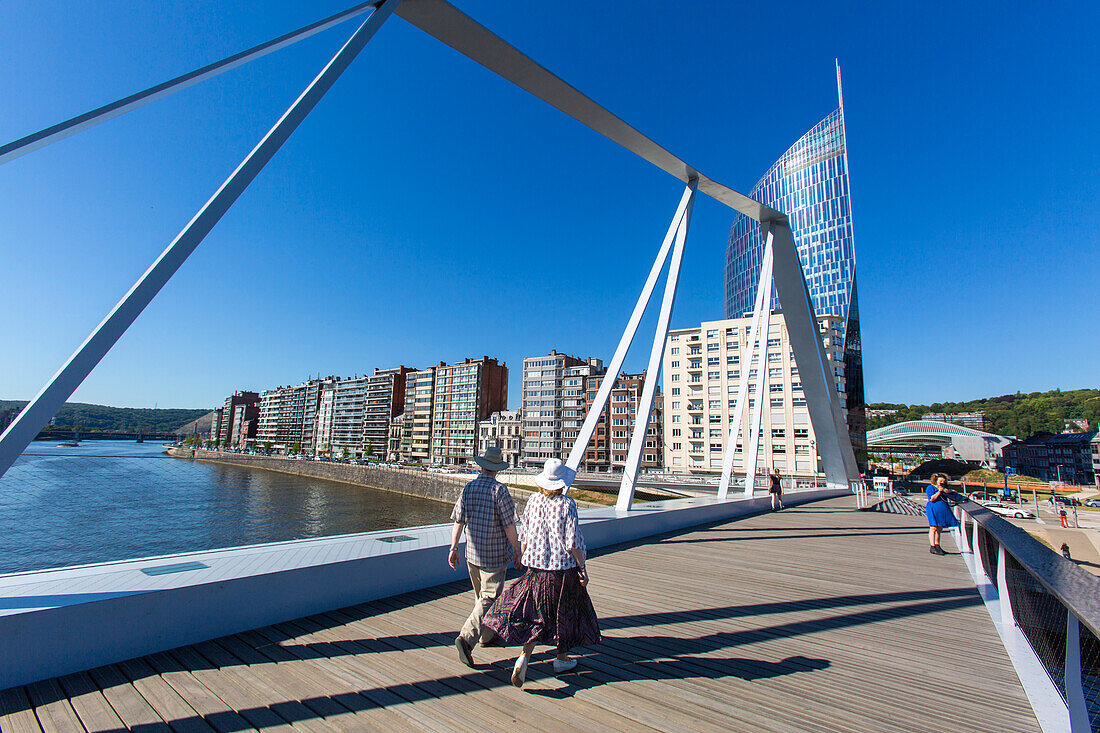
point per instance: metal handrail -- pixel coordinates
(1077, 589)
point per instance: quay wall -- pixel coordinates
(410, 481)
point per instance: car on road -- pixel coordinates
(1009, 510)
(1094, 502)
(1067, 500)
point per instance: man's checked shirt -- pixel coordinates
(486, 508)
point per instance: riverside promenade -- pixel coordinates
(817, 618)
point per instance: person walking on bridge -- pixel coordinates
(776, 488)
(938, 512)
(550, 603)
(487, 513)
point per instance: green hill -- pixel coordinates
(95, 418)
(1022, 415)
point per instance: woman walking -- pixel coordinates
(776, 489)
(938, 512)
(550, 603)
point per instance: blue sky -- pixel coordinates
(427, 210)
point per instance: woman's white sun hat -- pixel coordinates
(555, 475)
(492, 459)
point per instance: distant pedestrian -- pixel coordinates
(1063, 516)
(1065, 551)
(938, 512)
(776, 488)
(550, 603)
(487, 513)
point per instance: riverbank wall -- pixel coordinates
(410, 481)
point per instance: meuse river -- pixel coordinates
(113, 500)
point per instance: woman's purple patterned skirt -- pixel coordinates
(548, 607)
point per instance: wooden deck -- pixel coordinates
(817, 618)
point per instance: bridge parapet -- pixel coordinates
(1046, 605)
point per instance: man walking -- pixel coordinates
(487, 513)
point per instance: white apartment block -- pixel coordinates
(702, 367)
(288, 415)
(416, 439)
(504, 430)
(542, 407)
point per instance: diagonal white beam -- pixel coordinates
(448, 24)
(62, 130)
(816, 371)
(649, 387)
(743, 382)
(761, 350)
(588, 428)
(46, 403)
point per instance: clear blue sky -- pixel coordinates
(427, 210)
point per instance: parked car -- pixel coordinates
(1009, 510)
(1067, 500)
(1093, 502)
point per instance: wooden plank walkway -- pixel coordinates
(817, 618)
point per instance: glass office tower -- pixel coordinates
(809, 184)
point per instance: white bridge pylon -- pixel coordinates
(449, 25)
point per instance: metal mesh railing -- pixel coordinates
(1048, 597)
(1041, 617)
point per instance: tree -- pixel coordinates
(296, 448)
(369, 452)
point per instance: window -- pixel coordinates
(675, 349)
(731, 331)
(733, 374)
(731, 346)
(733, 359)
(775, 358)
(696, 364)
(776, 388)
(715, 433)
(801, 432)
(714, 375)
(802, 450)
(712, 347)
(675, 378)
(675, 365)
(775, 373)
(676, 432)
(779, 448)
(675, 418)
(715, 404)
(779, 433)
(773, 342)
(675, 391)
(713, 361)
(674, 337)
(712, 333)
(676, 405)
(777, 402)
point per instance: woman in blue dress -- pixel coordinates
(939, 512)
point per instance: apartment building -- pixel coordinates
(542, 406)
(235, 423)
(610, 444)
(383, 400)
(353, 416)
(396, 436)
(579, 385)
(416, 440)
(702, 368)
(465, 394)
(503, 429)
(288, 415)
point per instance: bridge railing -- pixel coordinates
(1054, 604)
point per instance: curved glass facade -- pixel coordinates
(809, 183)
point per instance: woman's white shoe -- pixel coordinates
(564, 665)
(519, 672)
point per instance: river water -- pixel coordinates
(114, 500)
